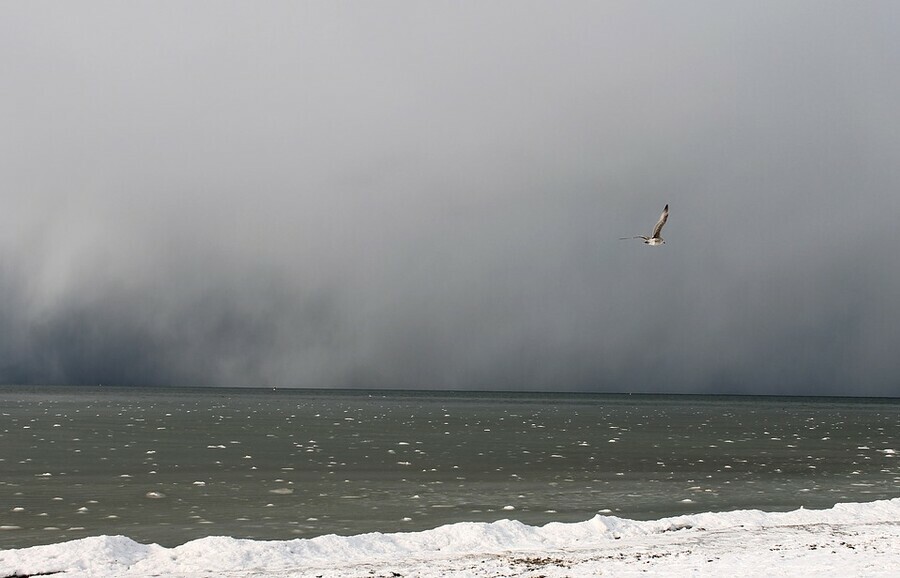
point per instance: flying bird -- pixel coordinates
(654, 239)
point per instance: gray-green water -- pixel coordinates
(171, 465)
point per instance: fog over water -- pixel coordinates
(431, 195)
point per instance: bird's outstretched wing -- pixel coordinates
(662, 221)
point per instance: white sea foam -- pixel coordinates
(848, 539)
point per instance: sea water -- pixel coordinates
(169, 465)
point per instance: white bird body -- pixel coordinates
(654, 239)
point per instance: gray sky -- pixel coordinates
(430, 195)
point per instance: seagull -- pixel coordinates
(654, 239)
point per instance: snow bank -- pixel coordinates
(450, 549)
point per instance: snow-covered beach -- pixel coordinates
(853, 539)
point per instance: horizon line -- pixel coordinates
(452, 391)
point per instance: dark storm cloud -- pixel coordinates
(430, 195)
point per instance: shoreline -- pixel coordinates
(848, 539)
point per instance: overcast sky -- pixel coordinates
(431, 195)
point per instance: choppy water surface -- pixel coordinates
(171, 465)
